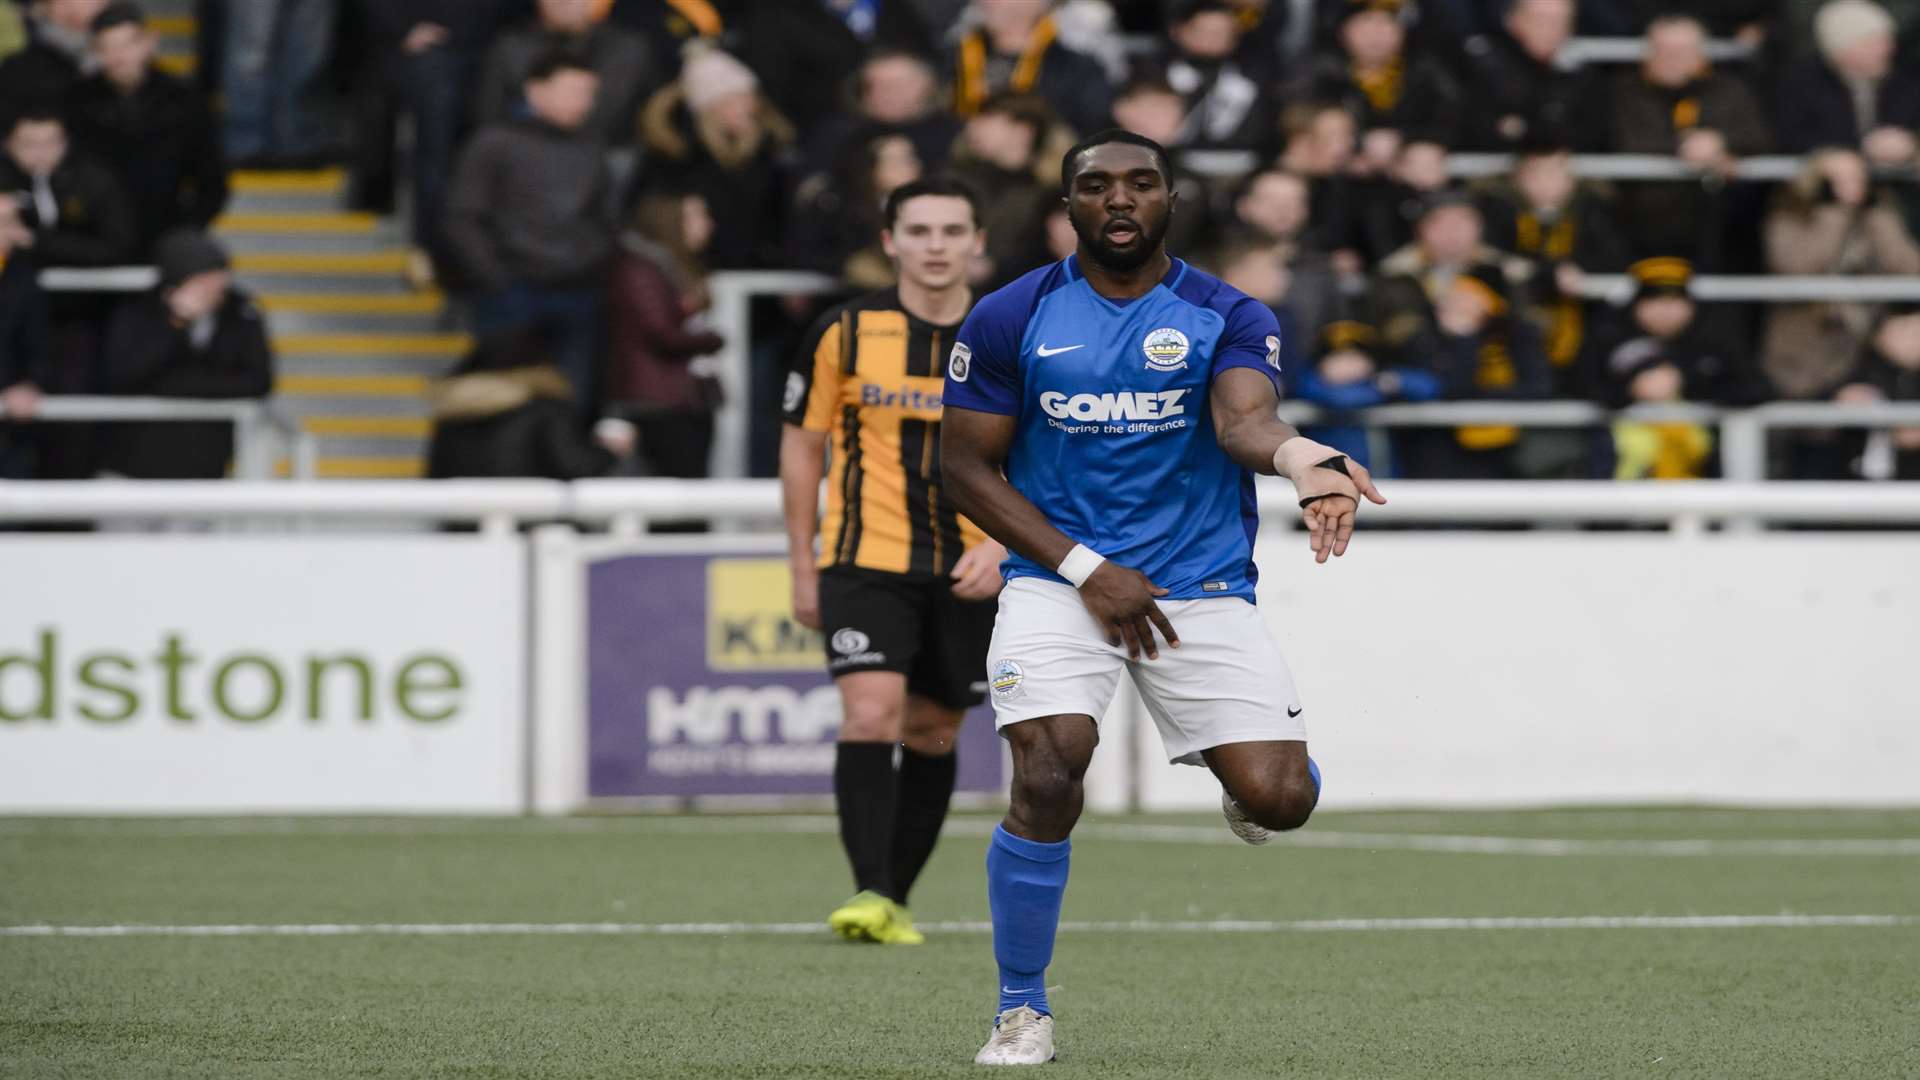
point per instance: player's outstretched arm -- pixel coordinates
(973, 455)
(1329, 484)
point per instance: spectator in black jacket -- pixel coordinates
(429, 54)
(1516, 90)
(40, 76)
(619, 58)
(156, 132)
(1889, 370)
(1226, 107)
(896, 92)
(1665, 331)
(24, 349)
(1482, 348)
(1567, 230)
(1853, 96)
(195, 336)
(76, 210)
(803, 52)
(1012, 48)
(530, 219)
(506, 411)
(1394, 97)
(712, 130)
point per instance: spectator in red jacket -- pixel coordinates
(656, 290)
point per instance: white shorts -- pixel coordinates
(1226, 683)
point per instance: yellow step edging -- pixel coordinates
(442, 345)
(183, 67)
(330, 222)
(368, 427)
(382, 386)
(173, 25)
(421, 303)
(346, 264)
(305, 182)
(371, 468)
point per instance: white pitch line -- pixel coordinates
(809, 824)
(1134, 926)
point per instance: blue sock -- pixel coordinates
(1313, 770)
(1025, 881)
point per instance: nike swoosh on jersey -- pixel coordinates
(1291, 713)
(1044, 351)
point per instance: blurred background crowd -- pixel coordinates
(572, 172)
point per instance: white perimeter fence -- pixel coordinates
(507, 671)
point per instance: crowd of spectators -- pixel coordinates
(576, 167)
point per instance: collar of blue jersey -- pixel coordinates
(1176, 269)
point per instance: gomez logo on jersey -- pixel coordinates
(1127, 412)
(1166, 349)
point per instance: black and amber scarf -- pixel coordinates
(1566, 317)
(970, 89)
(1383, 88)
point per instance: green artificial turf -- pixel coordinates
(1799, 1001)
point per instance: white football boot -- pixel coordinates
(1243, 826)
(1020, 1037)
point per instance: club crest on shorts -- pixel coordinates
(1166, 349)
(1007, 677)
(796, 391)
(960, 362)
(850, 642)
(1273, 351)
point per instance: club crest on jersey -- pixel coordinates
(1166, 349)
(1273, 351)
(796, 391)
(960, 362)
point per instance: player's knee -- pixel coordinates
(1278, 803)
(871, 719)
(1045, 785)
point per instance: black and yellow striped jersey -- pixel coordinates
(870, 376)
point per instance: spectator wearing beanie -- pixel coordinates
(714, 132)
(1853, 95)
(1664, 327)
(194, 336)
(155, 131)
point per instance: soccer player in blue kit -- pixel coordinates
(1104, 419)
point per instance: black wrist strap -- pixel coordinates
(1338, 463)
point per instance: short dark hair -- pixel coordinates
(118, 13)
(554, 61)
(37, 112)
(1114, 135)
(945, 186)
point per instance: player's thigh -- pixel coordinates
(951, 669)
(1048, 657)
(1226, 683)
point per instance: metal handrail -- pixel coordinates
(1772, 288)
(256, 424)
(500, 504)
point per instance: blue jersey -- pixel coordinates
(1115, 440)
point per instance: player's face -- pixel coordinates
(934, 241)
(1120, 206)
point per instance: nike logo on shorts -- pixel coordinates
(1044, 351)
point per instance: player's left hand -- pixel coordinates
(1332, 496)
(977, 575)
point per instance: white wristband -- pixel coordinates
(1080, 564)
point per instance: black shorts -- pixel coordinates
(912, 624)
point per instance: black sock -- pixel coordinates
(864, 787)
(926, 787)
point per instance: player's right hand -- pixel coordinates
(1121, 600)
(806, 597)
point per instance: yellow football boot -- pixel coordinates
(866, 917)
(900, 929)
